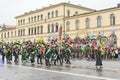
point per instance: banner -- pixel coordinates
(60, 34)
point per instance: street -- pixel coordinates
(78, 70)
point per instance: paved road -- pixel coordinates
(78, 70)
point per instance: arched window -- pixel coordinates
(4, 35)
(11, 34)
(52, 14)
(29, 31)
(8, 35)
(38, 18)
(23, 32)
(77, 24)
(57, 27)
(48, 15)
(38, 30)
(28, 20)
(35, 19)
(41, 17)
(99, 18)
(48, 28)
(35, 30)
(31, 19)
(56, 13)
(112, 19)
(52, 28)
(23, 21)
(67, 26)
(87, 23)
(1, 35)
(68, 12)
(41, 29)
(18, 22)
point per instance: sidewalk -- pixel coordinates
(107, 65)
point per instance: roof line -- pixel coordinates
(53, 6)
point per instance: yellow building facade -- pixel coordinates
(74, 19)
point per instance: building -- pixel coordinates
(74, 19)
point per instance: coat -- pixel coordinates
(98, 58)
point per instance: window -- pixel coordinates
(23, 32)
(41, 29)
(87, 23)
(23, 21)
(57, 27)
(18, 22)
(56, 13)
(68, 26)
(35, 30)
(1, 35)
(31, 31)
(18, 32)
(52, 14)
(48, 28)
(112, 19)
(41, 17)
(4, 35)
(38, 30)
(99, 18)
(11, 34)
(52, 28)
(38, 18)
(15, 33)
(31, 19)
(68, 12)
(48, 15)
(28, 20)
(28, 31)
(35, 19)
(8, 35)
(76, 13)
(77, 23)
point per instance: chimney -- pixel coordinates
(118, 5)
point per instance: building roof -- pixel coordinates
(68, 4)
(7, 27)
(95, 12)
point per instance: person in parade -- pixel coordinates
(9, 55)
(98, 58)
(39, 55)
(16, 54)
(3, 55)
(24, 55)
(32, 55)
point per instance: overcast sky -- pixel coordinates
(12, 8)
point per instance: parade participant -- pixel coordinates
(9, 55)
(3, 55)
(39, 55)
(24, 55)
(98, 58)
(81, 53)
(118, 54)
(88, 52)
(67, 54)
(32, 56)
(16, 52)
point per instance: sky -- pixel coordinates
(9, 9)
